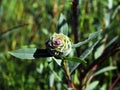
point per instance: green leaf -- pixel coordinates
(109, 68)
(112, 41)
(99, 51)
(62, 25)
(30, 53)
(26, 53)
(84, 55)
(91, 36)
(92, 85)
(58, 61)
(75, 59)
(51, 79)
(89, 50)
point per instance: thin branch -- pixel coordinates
(114, 83)
(70, 84)
(75, 19)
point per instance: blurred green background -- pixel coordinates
(30, 23)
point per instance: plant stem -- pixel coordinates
(114, 83)
(70, 84)
(75, 19)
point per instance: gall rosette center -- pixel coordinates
(59, 45)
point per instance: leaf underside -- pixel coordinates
(30, 53)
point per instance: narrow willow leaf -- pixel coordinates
(91, 36)
(109, 68)
(1, 55)
(58, 61)
(112, 41)
(40, 68)
(99, 51)
(92, 85)
(89, 50)
(51, 80)
(55, 71)
(30, 53)
(84, 55)
(75, 59)
(62, 25)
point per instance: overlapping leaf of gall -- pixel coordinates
(62, 25)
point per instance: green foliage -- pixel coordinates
(75, 59)
(29, 24)
(62, 25)
(84, 55)
(26, 53)
(105, 69)
(91, 36)
(92, 85)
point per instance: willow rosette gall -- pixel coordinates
(59, 45)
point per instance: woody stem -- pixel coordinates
(70, 84)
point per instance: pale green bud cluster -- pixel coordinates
(59, 45)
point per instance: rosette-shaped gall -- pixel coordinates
(59, 45)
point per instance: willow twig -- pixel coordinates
(75, 19)
(70, 84)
